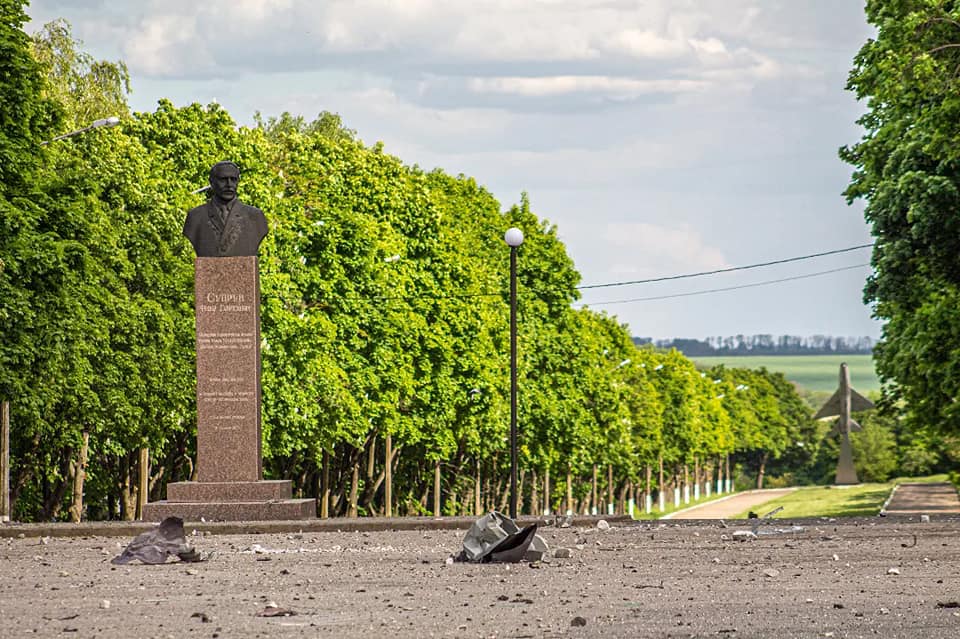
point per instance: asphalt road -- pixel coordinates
(878, 577)
(730, 506)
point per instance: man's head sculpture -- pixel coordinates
(224, 226)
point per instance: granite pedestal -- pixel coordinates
(229, 482)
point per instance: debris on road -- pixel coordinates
(273, 610)
(157, 545)
(497, 538)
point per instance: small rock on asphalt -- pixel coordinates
(578, 621)
(562, 553)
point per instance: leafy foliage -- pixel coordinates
(384, 314)
(907, 169)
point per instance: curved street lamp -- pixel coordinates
(514, 238)
(112, 121)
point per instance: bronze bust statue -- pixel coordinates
(224, 226)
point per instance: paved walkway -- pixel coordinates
(731, 506)
(923, 499)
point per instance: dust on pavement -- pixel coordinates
(873, 577)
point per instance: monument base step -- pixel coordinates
(284, 509)
(238, 491)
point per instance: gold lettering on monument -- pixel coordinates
(225, 303)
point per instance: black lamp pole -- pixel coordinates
(513, 238)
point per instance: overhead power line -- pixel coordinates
(731, 269)
(389, 298)
(730, 288)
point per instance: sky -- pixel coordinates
(661, 137)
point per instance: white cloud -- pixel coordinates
(556, 85)
(662, 136)
(166, 45)
(650, 250)
(644, 43)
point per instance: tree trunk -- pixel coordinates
(436, 490)
(325, 486)
(372, 456)
(388, 466)
(79, 475)
(143, 474)
(661, 487)
(128, 491)
(477, 503)
(6, 508)
(534, 495)
(622, 505)
(569, 492)
(696, 477)
(729, 477)
(719, 475)
(648, 495)
(54, 499)
(593, 501)
(504, 496)
(763, 468)
(610, 505)
(354, 488)
(546, 491)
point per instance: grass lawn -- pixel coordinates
(813, 372)
(863, 500)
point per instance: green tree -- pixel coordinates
(907, 170)
(874, 448)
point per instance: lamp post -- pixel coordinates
(514, 238)
(96, 124)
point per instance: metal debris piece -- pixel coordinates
(274, 611)
(497, 538)
(155, 546)
(780, 531)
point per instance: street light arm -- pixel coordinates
(112, 121)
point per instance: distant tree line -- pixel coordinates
(765, 345)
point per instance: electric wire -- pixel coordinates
(455, 296)
(730, 288)
(730, 269)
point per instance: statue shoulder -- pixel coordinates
(197, 210)
(249, 209)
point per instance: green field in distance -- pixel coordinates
(813, 372)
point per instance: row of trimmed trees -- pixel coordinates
(384, 321)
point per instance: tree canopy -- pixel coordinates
(384, 314)
(907, 171)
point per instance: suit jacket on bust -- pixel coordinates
(240, 234)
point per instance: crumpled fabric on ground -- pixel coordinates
(157, 545)
(497, 538)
